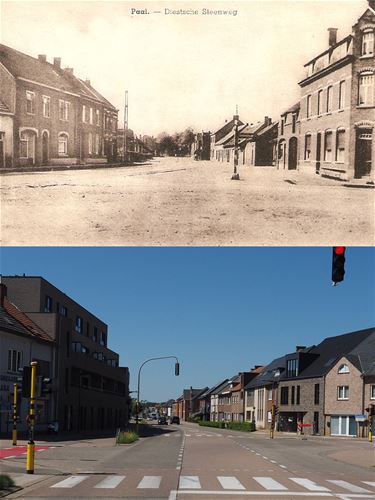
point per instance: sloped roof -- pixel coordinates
(32, 328)
(268, 128)
(331, 349)
(210, 390)
(231, 122)
(31, 68)
(292, 109)
(8, 322)
(194, 392)
(24, 66)
(363, 357)
(266, 376)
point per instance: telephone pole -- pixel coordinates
(125, 140)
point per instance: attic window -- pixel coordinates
(343, 369)
(368, 42)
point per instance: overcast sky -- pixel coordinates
(182, 70)
(219, 310)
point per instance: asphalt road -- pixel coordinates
(176, 201)
(187, 461)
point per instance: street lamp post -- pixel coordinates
(176, 372)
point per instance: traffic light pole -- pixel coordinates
(14, 430)
(31, 421)
(272, 428)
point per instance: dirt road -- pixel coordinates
(176, 201)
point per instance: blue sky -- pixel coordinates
(219, 310)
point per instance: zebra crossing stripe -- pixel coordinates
(309, 485)
(269, 484)
(70, 482)
(190, 482)
(150, 482)
(348, 486)
(110, 482)
(370, 483)
(230, 483)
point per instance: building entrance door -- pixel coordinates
(292, 157)
(363, 148)
(45, 148)
(318, 152)
(2, 162)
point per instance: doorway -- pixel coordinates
(363, 147)
(318, 152)
(292, 157)
(45, 147)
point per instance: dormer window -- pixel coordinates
(343, 369)
(368, 43)
(292, 368)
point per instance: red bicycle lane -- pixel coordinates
(15, 451)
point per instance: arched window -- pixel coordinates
(307, 146)
(328, 146)
(366, 88)
(368, 42)
(344, 368)
(63, 144)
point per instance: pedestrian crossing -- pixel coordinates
(232, 484)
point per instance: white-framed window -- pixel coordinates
(368, 42)
(14, 360)
(344, 368)
(62, 144)
(79, 324)
(308, 106)
(48, 304)
(97, 144)
(340, 157)
(91, 116)
(307, 146)
(30, 102)
(97, 113)
(342, 95)
(84, 113)
(343, 392)
(320, 102)
(90, 143)
(372, 391)
(269, 394)
(64, 109)
(328, 146)
(366, 89)
(46, 100)
(329, 98)
(27, 144)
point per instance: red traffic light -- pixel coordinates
(339, 250)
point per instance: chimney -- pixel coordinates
(42, 58)
(69, 70)
(332, 37)
(57, 62)
(87, 81)
(3, 293)
(300, 347)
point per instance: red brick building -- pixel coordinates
(57, 117)
(337, 114)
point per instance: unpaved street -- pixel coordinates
(176, 201)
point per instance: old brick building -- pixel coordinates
(288, 139)
(337, 114)
(57, 118)
(91, 390)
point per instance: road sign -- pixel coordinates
(360, 418)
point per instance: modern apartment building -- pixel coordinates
(91, 390)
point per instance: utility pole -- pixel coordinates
(31, 421)
(125, 140)
(236, 175)
(14, 431)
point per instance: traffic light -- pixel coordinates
(371, 410)
(43, 386)
(177, 369)
(26, 381)
(338, 264)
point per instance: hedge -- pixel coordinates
(235, 426)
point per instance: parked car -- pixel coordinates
(175, 420)
(162, 420)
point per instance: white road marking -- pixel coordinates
(266, 458)
(349, 486)
(69, 482)
(370, 483)
(11, 456)
(309, 485)
(150, 482)
(282, 466)
(288, 494)
(190, 482)
(110, 482)
(172, 495)
(166, 435)
(230, 483)
(269, 484)
(273, 461)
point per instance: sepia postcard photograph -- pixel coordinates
(187, 123)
